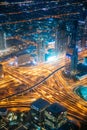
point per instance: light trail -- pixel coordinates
(52, 87)
(41, 18)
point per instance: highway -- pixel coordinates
(23, 85)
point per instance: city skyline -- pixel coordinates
(44, 57)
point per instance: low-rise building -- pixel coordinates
(55, 116)
(37, 111)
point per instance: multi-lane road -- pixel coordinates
(23, 85)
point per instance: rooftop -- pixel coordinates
(56, 109)
(3, 109)
(39, 104)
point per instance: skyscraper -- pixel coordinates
(74, 59)
(2, 40)
(72, 52)
(71, 60)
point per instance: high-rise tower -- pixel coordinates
(41, 50)
(72, 53)
(82, 33)
(71, 60)
(2, 40)
(74, 60)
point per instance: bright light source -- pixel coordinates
(34, 62)
(79, 49)
(53, 58)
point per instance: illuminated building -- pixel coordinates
(24, 59)
(74, 60)
(71, 60)
(55, 116)
(41, 50)
(72, 53)
(2, 40)
(61, 39)
(85, 61)
(33, 23)
(48, 116)
(82, 69)
(37, 112)
(84, 35)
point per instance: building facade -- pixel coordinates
(2, 40)
(37, 112)
(55, 116)
(71, 60)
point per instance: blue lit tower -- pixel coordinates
(74, 60)
(72, 53)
